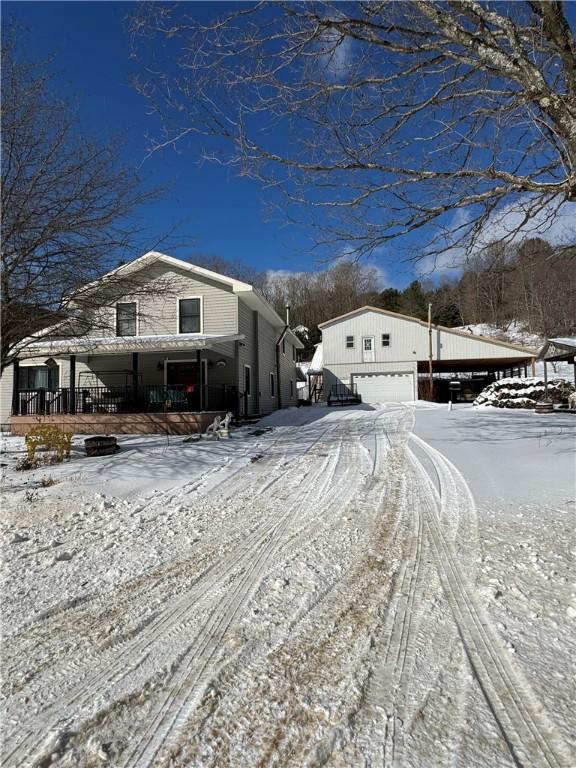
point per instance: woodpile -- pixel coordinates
(524, 393)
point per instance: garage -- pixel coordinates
(385, 387)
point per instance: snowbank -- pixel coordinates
(523, 393)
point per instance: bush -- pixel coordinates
(50, 437)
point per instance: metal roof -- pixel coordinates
(94, 345)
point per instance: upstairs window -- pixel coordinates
(126, 319)
(385, 339)
(349, 342)
(189, 320)
(284, 346)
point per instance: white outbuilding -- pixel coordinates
(387, 357)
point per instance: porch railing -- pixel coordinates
(145, 398)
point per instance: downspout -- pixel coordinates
(280, 340)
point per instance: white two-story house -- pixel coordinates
(175, 346)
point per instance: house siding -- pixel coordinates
(156, 289)
(408, 342)
(287, 375)
(157, 302)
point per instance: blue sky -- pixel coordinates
(214, 211)
(210, 209)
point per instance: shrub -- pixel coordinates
(50, 437)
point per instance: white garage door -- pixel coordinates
(385, 387)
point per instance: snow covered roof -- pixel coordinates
(562, 348)
(317, 362)
(566, 341)
(122, 344)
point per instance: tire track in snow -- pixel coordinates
(380, 723)
(532, 738)
(172, 712)
(98, 684)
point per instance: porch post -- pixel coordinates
(200, 378)
(134, 377)
(72, 399)
(237, 378)
(15, 385)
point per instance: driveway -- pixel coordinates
(320, 596)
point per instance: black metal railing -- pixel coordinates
(343, 394)
(145, 398)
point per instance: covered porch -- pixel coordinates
(174, 384)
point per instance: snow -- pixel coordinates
(356, 586)
(514, 332)
(317, 363)
(523, 393)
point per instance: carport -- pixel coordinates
(558, 350)
(473, 375)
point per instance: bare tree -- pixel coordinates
(66, 203)
(377, 119)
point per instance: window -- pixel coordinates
(189, 316)
(349, 342)
(38, 377)
(284, 346)
(247, 380)
(291, 388)
(385, 339)
(293, 353)
(272, 385)
(126, 319)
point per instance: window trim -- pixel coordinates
(186, 298)
(132, 301)
(387, 342)
(352, 345)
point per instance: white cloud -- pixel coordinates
(556, 224)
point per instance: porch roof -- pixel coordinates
(90, 345)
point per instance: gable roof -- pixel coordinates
(245, 291)
(528, 351)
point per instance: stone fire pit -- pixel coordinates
(101, 445)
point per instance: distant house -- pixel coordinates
(385, 357)
(187, 345)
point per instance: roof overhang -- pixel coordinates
(559, 349)
(472, 366)
(117, 345)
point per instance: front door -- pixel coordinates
(183, 384)
(368, 349)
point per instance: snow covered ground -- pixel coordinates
(384, 586)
